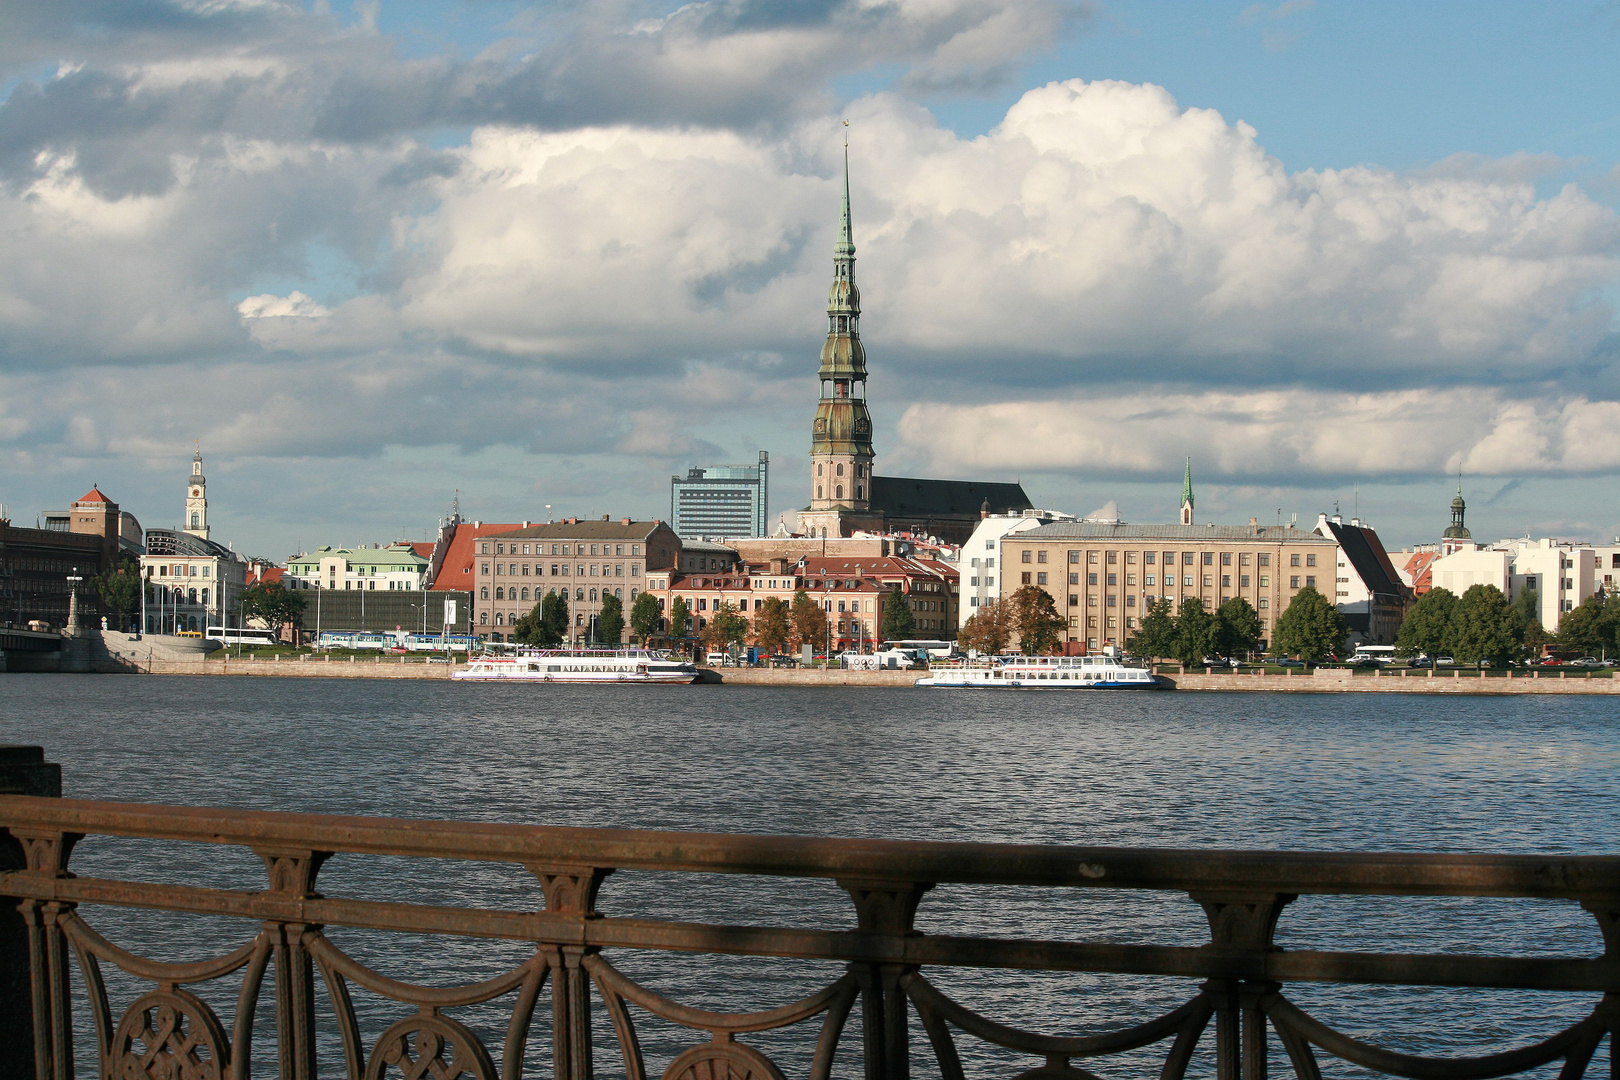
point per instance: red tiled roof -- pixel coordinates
(93, 496)
(456, 572)
(272, 576)
(423, 548)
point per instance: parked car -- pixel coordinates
(1549, 661)
(1588, 662)
(1289, 661)
(720, 659)
(1444, 661)
(1420, 662)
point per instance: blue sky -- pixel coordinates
(373, 254)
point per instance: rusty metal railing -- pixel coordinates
(1241, 1004)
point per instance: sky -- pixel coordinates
(372, 257)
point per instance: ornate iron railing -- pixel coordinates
(169, 1032)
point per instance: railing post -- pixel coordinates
(884, 907)
(24, 974)
(571, 890)
(292, 874)
(1241, 924)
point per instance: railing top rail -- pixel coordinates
(1189, 870)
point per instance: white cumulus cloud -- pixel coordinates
(295, 305)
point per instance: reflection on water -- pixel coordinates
(1329, 772)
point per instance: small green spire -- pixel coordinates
(1186, 485)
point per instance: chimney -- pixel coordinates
(525, 523)
(605, 517)
(624, 521)
(1253, 522)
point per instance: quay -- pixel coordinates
(57, 933)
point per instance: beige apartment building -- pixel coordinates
(584, 560)
(1102, 575)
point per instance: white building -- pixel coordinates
(392, 568)
(192, 582)
(1367, 588)
(1561, 572)
(980, 560)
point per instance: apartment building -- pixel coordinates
(1102, 575)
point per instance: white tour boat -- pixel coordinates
(1042, 673)
(579, 666)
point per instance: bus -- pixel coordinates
(236, 635)
(1383, 654)
(395, 640)
(936, 650)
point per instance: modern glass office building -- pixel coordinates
(720, 500)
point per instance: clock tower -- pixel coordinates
(841, 437)
(196, 499)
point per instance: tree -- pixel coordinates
(771, 625)
(120, 590)
(1483, 627)
(274, 604)
(898, 621)
(1310, 628)
(1590, 628)
(644, 618)
(1156, 636)
(726, 627)
(610, 620)
(553, 630)
(680, 612)
(1427, 627)
(1195, 632)
(1036, 620)
(809, 621)
(527, 630)
(1237, 627)
(987, 630)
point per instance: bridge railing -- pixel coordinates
(1242, 1005)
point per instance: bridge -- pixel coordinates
(1241, 1010)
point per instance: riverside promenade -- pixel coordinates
(1319, 681)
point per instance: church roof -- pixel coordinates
(904, 496)
(1367, 555)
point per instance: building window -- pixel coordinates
(1024, 556)
(579, 594)
(1226, 581)
(1074, 599)
(1293, 582)
(1091, 578)
(500, 593)
(1243, 559)
(1265, 581)
(1040, 578)
(1265, 558)
(1188, 581)
(1113, 557)
(1113, 579)
(483, 593)
(1310, 581)
(1147, 558)
(1209, 558)
(1243, 581)
(1091, 557)
(1113, 600)
(1187, 558)
(1074, 579)
(1293, 559)
(1130, 599)
(1209, 580)
(1074, 556)
(1149, 580)
(1265, 602)
(500, 619)
(1091, 600)
(1026, 577)
(1040, 556)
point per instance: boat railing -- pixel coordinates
(1234, 994)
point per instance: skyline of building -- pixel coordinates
(715, 501)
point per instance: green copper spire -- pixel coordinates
(1186, 485)
(845, 248)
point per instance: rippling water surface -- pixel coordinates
(1314, 772)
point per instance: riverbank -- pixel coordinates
(1319, 681)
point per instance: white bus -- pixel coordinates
(937, 650)
(234, 635)
(1381, 653)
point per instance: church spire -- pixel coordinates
(841, 437)
(1187, 495)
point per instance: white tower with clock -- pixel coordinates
(197, 499)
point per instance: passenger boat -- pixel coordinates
(1042, 673)
(579, 666)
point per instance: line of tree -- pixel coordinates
(120, 591)
(1030, 615)
(1481, 625)
(1197, 632)
(273, 604)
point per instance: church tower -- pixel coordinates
(1187, 495)
(197, 499)
(841, 439)
(1457, 537)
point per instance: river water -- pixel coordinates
(1343, 772)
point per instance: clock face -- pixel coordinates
(862, 426)
(195, 492)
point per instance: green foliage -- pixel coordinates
(1590, 628)
(610, 620)
(1427, 626)
(680, 613)
(1156, 635)
(987, 630)
(1310, 628)
(553, 625)
(274, 604)
(1237, 627)
(1036, 620)
(771, 625)
(644, 618)
(120, 589)
(809, 620)
(1483, 627)
(726, 627)
(898, 621)
(527, 629)
(1195, 632)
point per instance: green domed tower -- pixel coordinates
(841, 439)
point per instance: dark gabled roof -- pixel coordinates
(1368, 558)
(904, 496)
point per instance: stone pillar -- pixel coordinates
(23, 771)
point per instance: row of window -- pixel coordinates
(1151, 558)
(504, 548)
(163, 594)
(560, 570)
(177, 570)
